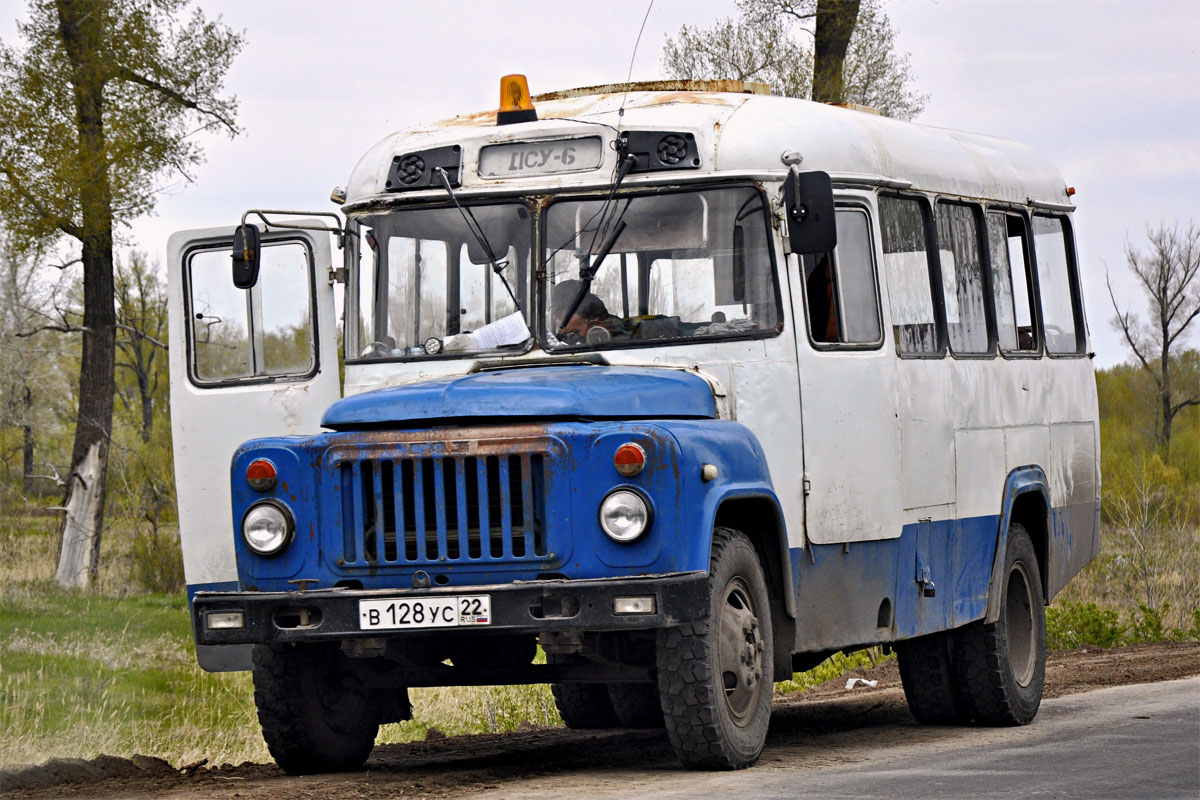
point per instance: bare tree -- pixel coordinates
(830, 50)
(1168, 275)
(32, 365)
(141, 334)
(102, 101)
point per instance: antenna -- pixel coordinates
(629, 75)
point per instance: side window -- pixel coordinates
(909, 276)
(962, 278)
(1060, 303)
(247, 334)
(840, 289)
(1008, 243)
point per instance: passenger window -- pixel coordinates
(962, 278)
(1007, 245)
(1059, 304)
(909, 280)
(265, 331)
(843, 303)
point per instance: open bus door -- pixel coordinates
(244, 363)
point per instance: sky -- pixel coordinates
(1108, 91)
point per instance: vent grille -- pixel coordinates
(443, 509)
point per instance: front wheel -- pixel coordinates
(1001, 666)
(714, 676)
(316, 716)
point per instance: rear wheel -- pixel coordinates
(1001, 666)
(316, 716)
(928, 676)
(714, 676)
(636, 705)
(582, 706)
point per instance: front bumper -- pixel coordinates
(522, 607)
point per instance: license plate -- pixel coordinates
(540, 158)
(455, 611)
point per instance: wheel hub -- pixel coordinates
(739, 650)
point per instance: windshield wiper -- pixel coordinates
(477, 231)
(588, 268)
(587, 273)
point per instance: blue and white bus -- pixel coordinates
(687, 385)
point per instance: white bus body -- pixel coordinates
(901, 435)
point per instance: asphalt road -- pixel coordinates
(1139, 741)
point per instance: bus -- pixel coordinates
(655, 393)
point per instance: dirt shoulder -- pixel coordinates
(829, 720)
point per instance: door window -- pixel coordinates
(843, 304)
(246, 335)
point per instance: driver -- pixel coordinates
(591, 320)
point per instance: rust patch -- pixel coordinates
(737, 87)
(669, 91)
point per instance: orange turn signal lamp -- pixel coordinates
(630, 459)
(261, 475)
(515, 103)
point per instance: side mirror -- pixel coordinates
(245, 256)
(808, 203)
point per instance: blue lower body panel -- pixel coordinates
(934, 576)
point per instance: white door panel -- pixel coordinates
(244, 364)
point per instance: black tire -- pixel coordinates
(316, 716)
(1001, 666)
(926, 670)
(636, 705)
(714, 676)
(582, 706)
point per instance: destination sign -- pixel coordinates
(540, 158)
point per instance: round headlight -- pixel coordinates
(624, 515)
(267, 528)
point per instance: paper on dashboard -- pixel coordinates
(504, 331)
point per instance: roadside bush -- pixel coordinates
(157, 561)
(1072, 625)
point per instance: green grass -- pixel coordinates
(82, 675)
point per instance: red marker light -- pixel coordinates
(261, 475)
(630, 459)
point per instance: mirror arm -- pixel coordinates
(337, 230)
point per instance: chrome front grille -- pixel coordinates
(446, 509)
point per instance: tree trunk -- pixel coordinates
(83, 38)
(27, 441)
(80, 540)
(835, 25)
(147, 407)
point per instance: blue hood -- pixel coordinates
(567, 392)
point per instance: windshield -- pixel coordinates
(685, 265)
(434, 290)
(680, 265)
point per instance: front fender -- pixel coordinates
(742, 475)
